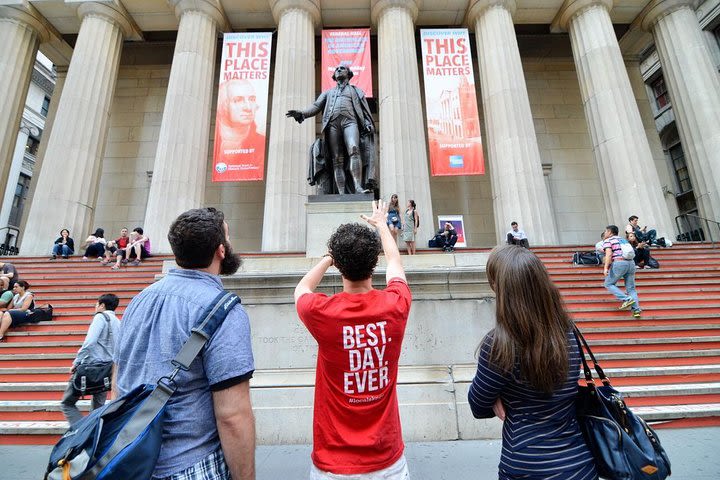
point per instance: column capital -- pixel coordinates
(478, 7)
(657, 9)
(23, 12)
(379, 6)
(114, 12)
(572, 8)
(279, 7)
(211, 8)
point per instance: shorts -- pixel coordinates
(143, 253)
(19, 317)
(396, 471)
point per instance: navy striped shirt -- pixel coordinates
(541, 436)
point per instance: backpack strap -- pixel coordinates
(204, 328)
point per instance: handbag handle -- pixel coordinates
(586, 369)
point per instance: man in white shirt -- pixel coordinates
(517, 237)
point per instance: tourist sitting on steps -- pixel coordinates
(113, 247)
(449, 237)
(21, 306)
(138, 248)
(517, 237)
(95, 245)
(64, 245)
(8, 276)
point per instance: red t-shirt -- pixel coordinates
(122, 242)
(356, 427)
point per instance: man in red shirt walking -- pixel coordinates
(356, 429)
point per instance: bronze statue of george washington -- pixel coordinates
(348, 138)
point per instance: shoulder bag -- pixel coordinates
(122, 439)
(94, 377)
(624, 446)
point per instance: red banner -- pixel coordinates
(349, 47)
(451, 104)
(242, 107)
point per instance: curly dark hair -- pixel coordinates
(195, 235)
(355, 249)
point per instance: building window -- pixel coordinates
(45, 106)
(32, 145)
(660, 92)
(677, 156)
(21, 191)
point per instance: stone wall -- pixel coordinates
(564, 143)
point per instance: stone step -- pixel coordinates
(671, 412)
(653, 341)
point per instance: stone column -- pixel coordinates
(181, 161)
(16, 162)
(21, 31)
(519, 189)
(402, 141)
(67, 186)
(622, 153)
(694, 89)
(286, 188)
(61, 72)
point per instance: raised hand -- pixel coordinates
(379, 215)
(296, 114)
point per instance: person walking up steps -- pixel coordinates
(617, 266)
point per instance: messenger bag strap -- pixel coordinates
(203, 330)
(580, 338)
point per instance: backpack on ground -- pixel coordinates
(586, 258)
(121, 440)
(628, 252)
(652, 263)
(40, 314)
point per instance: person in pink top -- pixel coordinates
(138, 248)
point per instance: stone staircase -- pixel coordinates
(667, 363)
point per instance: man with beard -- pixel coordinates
(209, 432)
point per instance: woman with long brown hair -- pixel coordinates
(528, 371)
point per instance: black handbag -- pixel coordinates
(623, 445)
(92, 378)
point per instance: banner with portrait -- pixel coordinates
(242, 105)
(349, 47)
(450, 103)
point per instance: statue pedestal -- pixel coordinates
(327, 212)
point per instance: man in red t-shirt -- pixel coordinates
(356, 428)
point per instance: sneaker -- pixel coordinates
(134, 263)
(636, 313)
(114, 267)
(65, 257)
(627, 304)
(124, 260)
(53, 257)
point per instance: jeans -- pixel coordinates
(648, 236)
(514, 241)
(71, 412)
(60, 249)
(624, 269)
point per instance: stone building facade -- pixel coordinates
(567, 120)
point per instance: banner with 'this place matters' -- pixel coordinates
(454, 137)
(242, 105)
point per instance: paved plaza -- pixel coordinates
(693, 453)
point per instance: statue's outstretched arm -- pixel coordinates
(311, 111)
